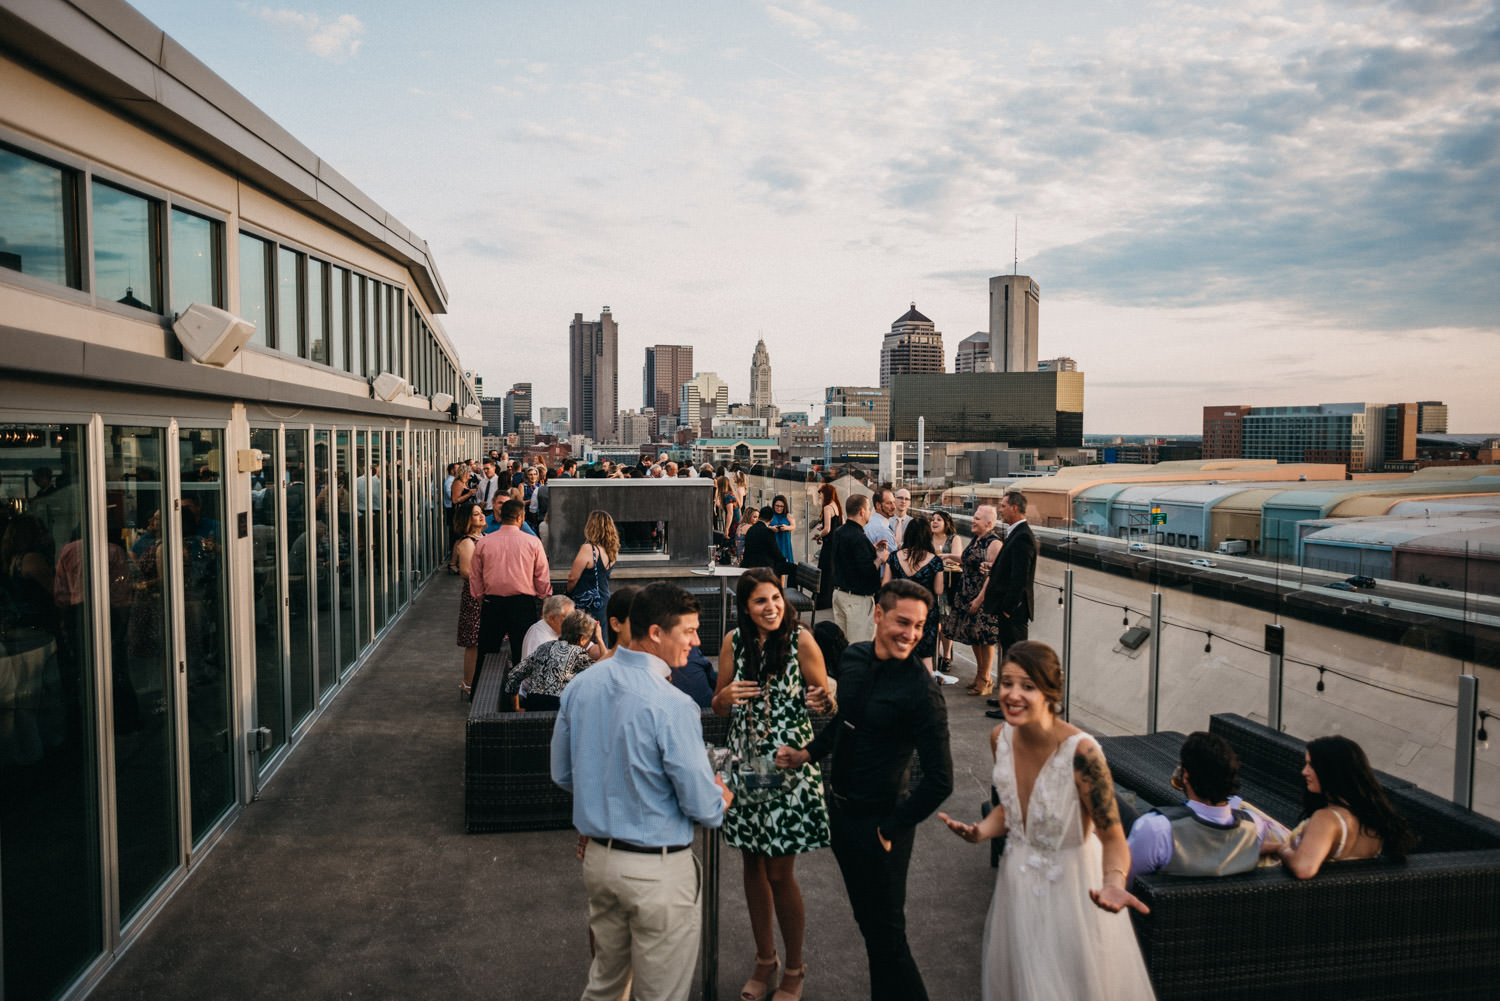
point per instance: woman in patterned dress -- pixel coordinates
(468, 525)
(766, 669)
(972, 627)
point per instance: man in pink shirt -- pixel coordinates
(508, 573)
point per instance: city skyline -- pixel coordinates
(1278, 204)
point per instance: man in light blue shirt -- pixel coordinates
(879, 528)
(629, 746)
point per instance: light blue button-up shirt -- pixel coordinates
(629, 747)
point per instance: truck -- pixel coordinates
(1233, 547)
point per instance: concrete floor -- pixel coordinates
(352, 876)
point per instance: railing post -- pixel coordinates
(1153, 680)
(1463, 741)
(708, 943)
(1276, 649)
(1067, 642)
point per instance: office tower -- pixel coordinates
(636, 428)
(494, 415)
(1015, 302)
(1057, 365)
(1023, 409)
(760, 376)
(701, 399)
(593, 356)
(870, 403)
(526, 433)
(974, 353)
(552, 415)
(1327, 432)
(668, 366)
(1432, 417)
(913, 345)
(517, 406)
(1224, 432)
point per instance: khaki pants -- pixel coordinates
(645, 914)
(855, 615)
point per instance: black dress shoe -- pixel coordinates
(994, 702)
(995, 713)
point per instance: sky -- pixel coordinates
(1256, 202)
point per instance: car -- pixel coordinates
(1361, 581)
(1139, 547)
(1202, 563)
(1339, 585)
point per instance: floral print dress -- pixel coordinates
(794, 819)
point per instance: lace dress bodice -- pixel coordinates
(1053, 820)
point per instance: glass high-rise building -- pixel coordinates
(668, 366)
(594, 384)
(1023, 409)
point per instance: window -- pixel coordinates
(289, 302)
(39, 219)
(197, 254)
(358, 342)
(255, 287)
(127, 242)
(317, 320)
(338, 355)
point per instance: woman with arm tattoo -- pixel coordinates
(1065, 847)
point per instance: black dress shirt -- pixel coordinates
(761, 550)
(887, 709)
(853, 559)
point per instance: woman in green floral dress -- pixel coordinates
(769, 670)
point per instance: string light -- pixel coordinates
(1483, 735)
(1320, 679)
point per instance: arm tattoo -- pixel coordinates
(1099, 792)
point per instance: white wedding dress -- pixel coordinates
(1045, 940)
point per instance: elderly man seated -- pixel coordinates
(1209, 835)
(546, 629)
(549, 668)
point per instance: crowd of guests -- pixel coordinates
(623, 669)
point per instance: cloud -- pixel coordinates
(538, 134)
(810, 18)
(336, 39)
(1343, 158)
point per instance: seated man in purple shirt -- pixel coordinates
(1209, 835)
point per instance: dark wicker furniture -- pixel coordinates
(1429, 928)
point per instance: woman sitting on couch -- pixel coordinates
(1345, 813)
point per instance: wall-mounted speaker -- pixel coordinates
(211, 335)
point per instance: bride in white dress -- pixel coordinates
(1065, 847)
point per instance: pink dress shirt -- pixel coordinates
(509, 561)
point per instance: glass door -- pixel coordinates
(147, 828)
(51, 900)
(205, 621)
(266, 605)
(331, 560)
(307, 558)
(351, 617)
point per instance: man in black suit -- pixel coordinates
(1009, 595)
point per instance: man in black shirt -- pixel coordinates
(761, 549)
(855, 563)
(889, 706)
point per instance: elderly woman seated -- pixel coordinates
(549, 668)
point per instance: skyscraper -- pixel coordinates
(913, 346)
(870, 403)
(973, 353)
(701, 399)
(760, 376)
(668, 366)
(1015, 302)
(594, 390)
(517, 406)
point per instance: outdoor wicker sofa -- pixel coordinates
(1428, 928)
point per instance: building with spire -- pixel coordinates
(760, 384)
(913, 347)
(594, 386)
